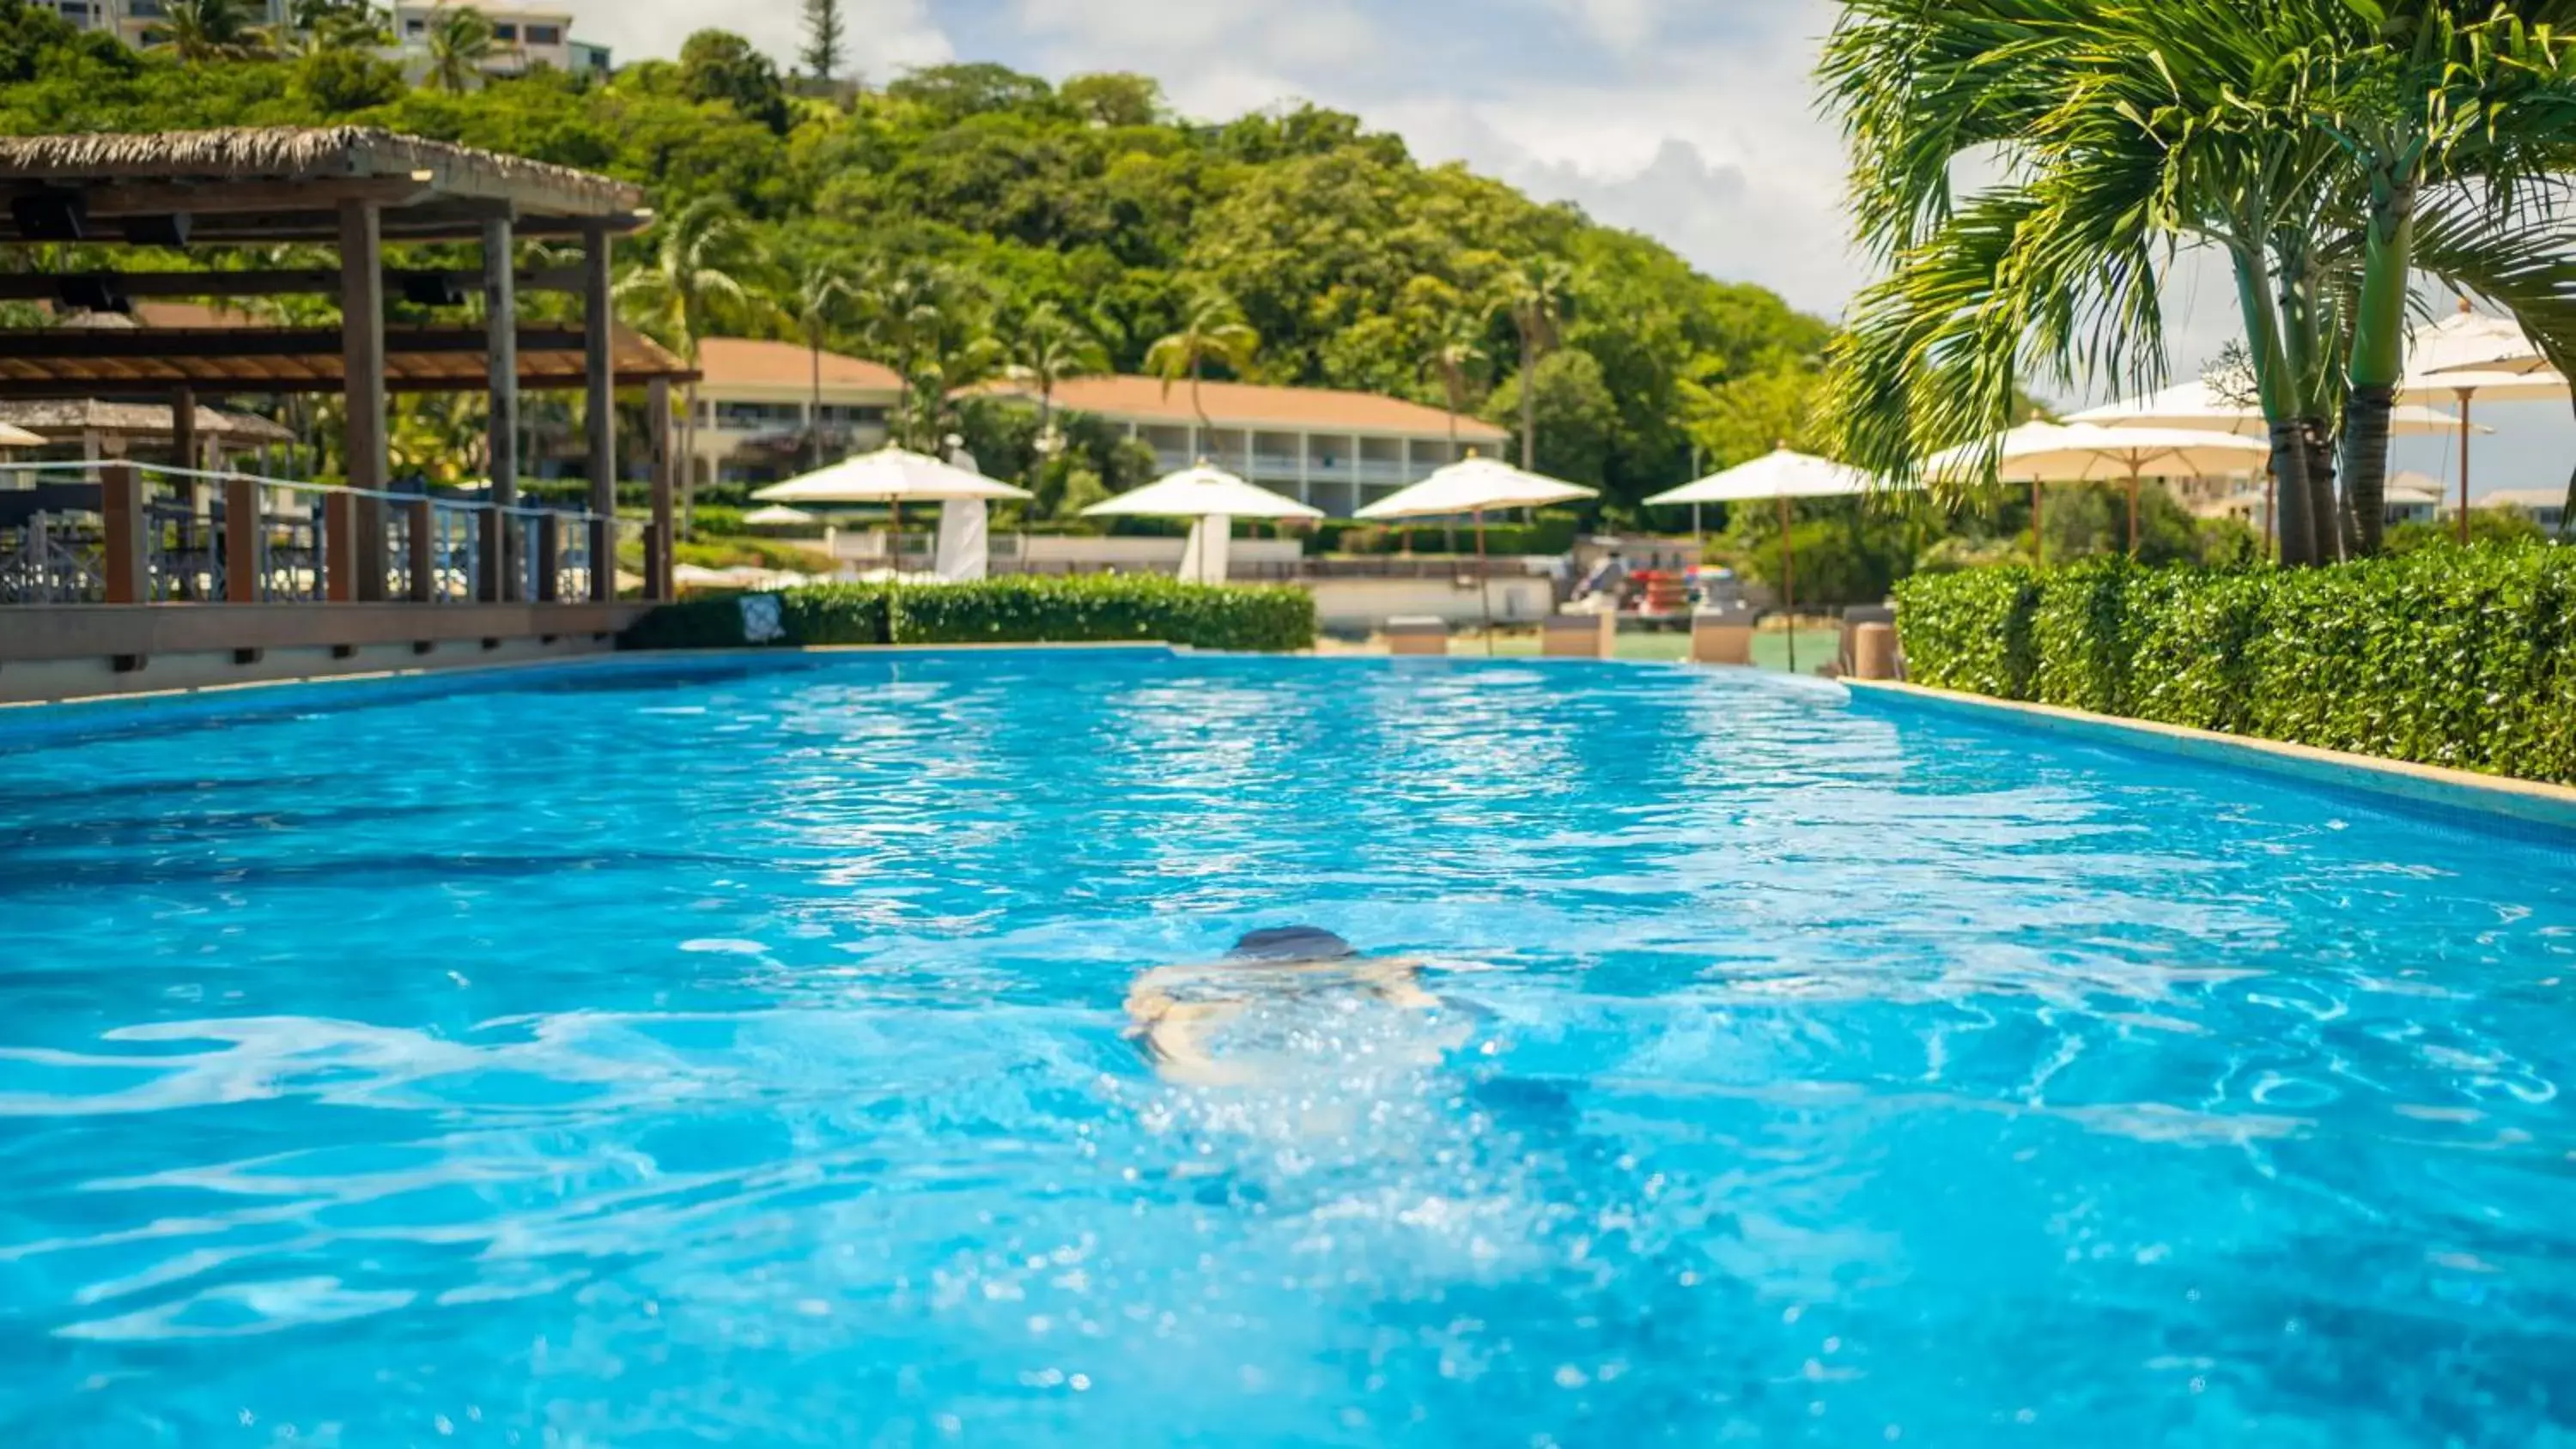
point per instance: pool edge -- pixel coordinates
(2530, 801)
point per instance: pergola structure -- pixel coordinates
(352, 190)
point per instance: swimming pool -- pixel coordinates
(650, 1055)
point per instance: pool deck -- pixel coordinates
(2455, 790)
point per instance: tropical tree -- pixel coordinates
(1457, 350)
(906, 311)
(821, 295)
(1212, 331)
(318, 26)
(1535, 295)
(207, 30)
(2127, 134)
(1048, 348)
(461, 40)
(688, 274)
(826, 39)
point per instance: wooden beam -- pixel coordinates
(599, 364)
(222, 198)
(501, 351)
(223, 344)
(362, 373)
(263, 282)
(217, 383)
(657, 545)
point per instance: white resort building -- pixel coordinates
(1336, 450)
(524, 37)
(756, 408)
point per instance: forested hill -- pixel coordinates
(1350, 259)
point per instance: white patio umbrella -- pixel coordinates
(1777, 477)
(1476, 486)
(2209, 407)
(891, 476)
(777, 515)
(16, 437)
(2466, 356)
(1212, 498)
(2037, 453)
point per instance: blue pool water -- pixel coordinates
(616, 1056)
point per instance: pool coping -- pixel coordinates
(2531, 801)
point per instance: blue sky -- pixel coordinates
(1689, 120)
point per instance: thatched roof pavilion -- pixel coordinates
(355, 189)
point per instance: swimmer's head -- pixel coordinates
(1291, 943)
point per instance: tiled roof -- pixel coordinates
(751, 362)
(1242, 405)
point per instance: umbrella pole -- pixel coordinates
(2037, 547)
(2133, 512)
(1789, 582)
(1484, 585)
(2464, 466)
(894, 560)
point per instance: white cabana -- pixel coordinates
(2037, 453)
(1212, 498)
(1475, 487)
(2467, 356)
(894, 477)
(1776, 477)
(778, 515)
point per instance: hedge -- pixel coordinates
(2462, 658)
(1020, 610)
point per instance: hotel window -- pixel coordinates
(415, 26)
(505, 32)
(545, 35)
(837, 415)
(740, 417)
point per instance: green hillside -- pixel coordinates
(990, 195)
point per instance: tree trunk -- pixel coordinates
(1529, 404)
(2325, 511)
(2365, 462)
(2290, 492)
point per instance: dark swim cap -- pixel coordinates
(1291, 943)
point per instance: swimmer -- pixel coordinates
(1175, 1012)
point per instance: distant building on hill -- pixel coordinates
(754, 404)
(132, 20)
(1334, 449)
(2412, 498)
(2546, 506)
(524, 37)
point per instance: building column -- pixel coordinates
(658, 541)
(599, 346)
(362, 359)
(501, 448)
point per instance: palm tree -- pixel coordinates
(460, 41)
(1051, 347)
(675, 291)
(204, 30)
(1456, 350)
(1213, 330)
(903, 310)
(315, 26)
(822, 291)
(2127, 134)
(1535, 295)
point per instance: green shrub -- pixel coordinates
(1020, 610)
(2464, 658)
(1970, 631)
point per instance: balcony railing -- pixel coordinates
(129, 533)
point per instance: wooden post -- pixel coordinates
(501, 348)
(244, 542)
(424, 550)
(549, 557)
(129, 563)
(360, 567)
(183, 427)
(340, 561)
(183, 456)
(598, 318)
(658, 543)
